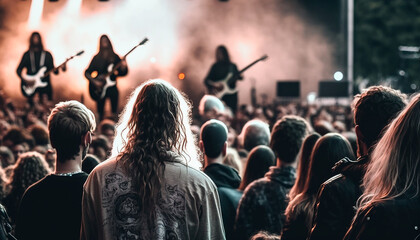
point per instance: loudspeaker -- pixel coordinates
(288, 89)
(332, 88)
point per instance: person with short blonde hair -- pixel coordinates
(51, 208)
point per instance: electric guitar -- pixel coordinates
(221, 88)
(30, 83)
(98, 90)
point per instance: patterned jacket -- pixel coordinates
(263, 204)
(187, 208)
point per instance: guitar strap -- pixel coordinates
(230, 71)
(41, 60)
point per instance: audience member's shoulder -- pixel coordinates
(334, 180)
(257, 185)
(37, 185)
(104, 166)
(193, 174)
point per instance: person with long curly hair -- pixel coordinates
(389, 207)
(29, 168)
(151, 187)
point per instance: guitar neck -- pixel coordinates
(247, 67)
(55, 69)
(62, 64)
(116, 66)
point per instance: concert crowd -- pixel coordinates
(267, 170)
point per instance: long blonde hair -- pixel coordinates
(394, 169)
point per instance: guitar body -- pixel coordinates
(97, 93)
(30, 83)
(98, 90)
(221, 88)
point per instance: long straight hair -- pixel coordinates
(108, 51)
(32, 45)
(304, 161)
(328, 150)
(154, 128)
(394, 168)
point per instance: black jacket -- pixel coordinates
(223, 175)
(392, 219)
(229, 200)
(227, 181)
(335, 205)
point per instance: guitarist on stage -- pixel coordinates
(218, 72)
(33, 60)
(95, 74)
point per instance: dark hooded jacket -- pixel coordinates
(223, 176)
(227, 181)
(263, 204)
(336, 201)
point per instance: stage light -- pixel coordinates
(181, 76)
(338, 76)
(311, 97)
(35, 14)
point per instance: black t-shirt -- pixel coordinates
(52, 208)
(219, 71)
(32, 67)
(101, 64)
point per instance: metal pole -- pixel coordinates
(350, 33)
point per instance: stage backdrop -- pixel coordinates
(183, 36)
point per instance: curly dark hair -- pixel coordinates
(155, 135)
(29, 168)
(374, 109)
(287, 136)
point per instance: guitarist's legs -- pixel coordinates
(113, 95)
(45, 93)
(100, 105)
(231, 101)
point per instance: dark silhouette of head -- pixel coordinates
(105, 45)
(213, 137)
(89, 163)
(222, 54)
(260, 159)
(287, 136)
(328, 150)
(35, 42)
(374, 109)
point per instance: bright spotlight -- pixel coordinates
(35, 14)
(338, 76)
(153, 60)
(311, 97)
